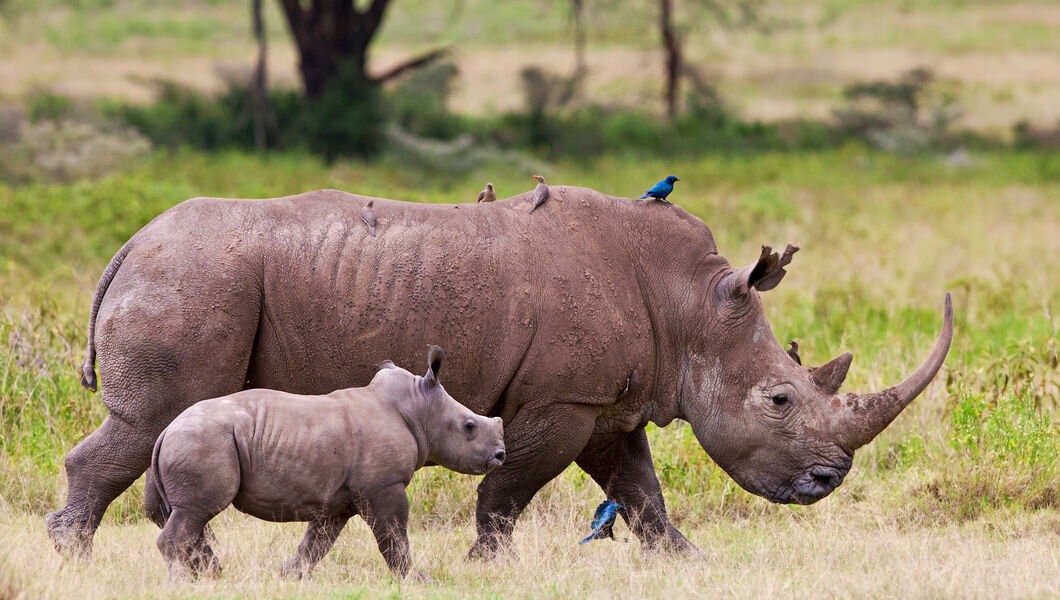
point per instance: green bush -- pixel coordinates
(419, 104)
(346, 120)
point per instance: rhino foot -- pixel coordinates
(72, 539)
(672, 543)
(490, 547)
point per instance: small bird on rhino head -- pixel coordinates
(603, 521)
(661, 190)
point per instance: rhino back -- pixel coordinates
(553, 301)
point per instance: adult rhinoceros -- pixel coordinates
(578, 325)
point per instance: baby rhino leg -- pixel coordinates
(197, 483)
(184, 547)
(388, 516)
(319, 538)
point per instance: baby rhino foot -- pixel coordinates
(294, 570)
(418, 576)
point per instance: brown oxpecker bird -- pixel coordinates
(487, 195)
(368, 216)
(540, 193)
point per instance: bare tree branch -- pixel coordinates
(412, 63)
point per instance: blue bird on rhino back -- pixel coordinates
(603, 521)
(661, 190)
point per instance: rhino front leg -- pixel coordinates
(539, 444)
(622, 465)
(388, 515)
(98, 470)
(319, 538)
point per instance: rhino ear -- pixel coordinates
(435, 360)
(765, 273)
(386, 364)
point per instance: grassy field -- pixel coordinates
(960, 497)
(1001, 57)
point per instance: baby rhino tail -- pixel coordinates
(156, 503)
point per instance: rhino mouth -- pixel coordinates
(814, 484)
(495, 460)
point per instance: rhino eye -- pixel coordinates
(780, 399)
(469, 427)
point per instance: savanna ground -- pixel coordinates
(960, 497)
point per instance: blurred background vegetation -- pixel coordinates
(93, 83)
(909, 147)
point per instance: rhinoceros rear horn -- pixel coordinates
(829, 376)
(866, 415)
(765, 273)
(435, 360)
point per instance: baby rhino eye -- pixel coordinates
(469, 427)
(779, 399)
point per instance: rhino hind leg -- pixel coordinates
(151, 373)
(539, 447)
(98, 470)
(622, 466)
(319, 537)
(186, 548)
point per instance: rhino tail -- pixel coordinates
(163, 501)
(88, 369)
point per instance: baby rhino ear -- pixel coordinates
(435, 360)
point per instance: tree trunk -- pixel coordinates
(672, 47)
(332, 35)
(259, 86)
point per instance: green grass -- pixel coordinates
(882, 239)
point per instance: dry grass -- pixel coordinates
(839, 549)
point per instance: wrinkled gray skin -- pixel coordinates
(322, 459)
(577, 326)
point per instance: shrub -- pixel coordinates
(912, 114)
(346, 120)
(419, 104)
(63, 149)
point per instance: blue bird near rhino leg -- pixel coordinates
(603, 521)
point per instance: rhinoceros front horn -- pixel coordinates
(866, 415)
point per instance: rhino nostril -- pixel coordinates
(825, 478)
(499, 455)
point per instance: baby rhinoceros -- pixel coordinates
(321, 459)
